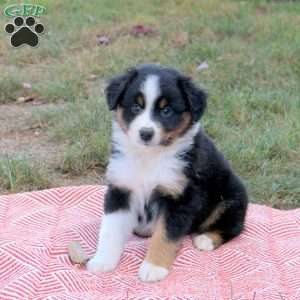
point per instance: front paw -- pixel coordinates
(149, 272)
(101, 264)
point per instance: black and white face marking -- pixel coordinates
(143, 129)
(155, 105)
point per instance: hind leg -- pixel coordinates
(226, 228)
(217, 236)
(226, 221)
(207, 241)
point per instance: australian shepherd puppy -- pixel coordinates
(166, 177)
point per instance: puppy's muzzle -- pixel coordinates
(146, 134)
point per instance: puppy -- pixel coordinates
(166, 177)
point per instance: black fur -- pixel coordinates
(194, 96)
(115, 199)
(116, 88)
(211, 181)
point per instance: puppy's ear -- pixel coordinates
(117, 86)
(195, 97)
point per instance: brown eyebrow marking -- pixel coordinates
(162, 103)
(140, 100)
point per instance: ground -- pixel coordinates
(54, 123)
(24, 144)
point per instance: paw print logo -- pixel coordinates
(24, 32)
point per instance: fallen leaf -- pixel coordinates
(261, 10)
(141, 30)
(21, 99)
(26, 85)
(26, 98)
(92, 77)
(103, 40)
(202, 66)
(38, 102)
(181, 39)
(35, 126)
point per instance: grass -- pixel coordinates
(86, 127)
(17, 175)
(253, 52)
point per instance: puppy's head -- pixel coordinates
(155, 105)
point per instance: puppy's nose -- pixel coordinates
(146, 134)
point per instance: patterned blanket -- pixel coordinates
(36, 228)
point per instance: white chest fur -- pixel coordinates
(143, 169)
(143, 172)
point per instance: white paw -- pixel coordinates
(101, 264)
(149, 272)
(203, 242)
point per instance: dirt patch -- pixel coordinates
(22, 137)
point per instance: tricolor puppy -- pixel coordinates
(166, 177)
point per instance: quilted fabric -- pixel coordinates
(36, 228)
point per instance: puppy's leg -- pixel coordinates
(227, 220)
(173, 224)
(117, 225)
(231, 222)
(207, 241)
(160, 255)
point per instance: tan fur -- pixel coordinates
(141, 101)
(120, 120)
(213, 217)
(216, 238)
(168, 137)
(163, 103)
(162, 251)
(176, 189)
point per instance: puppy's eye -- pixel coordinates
(166, 112)
(136, 109)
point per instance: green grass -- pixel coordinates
(253, 52)
(17, 175)
(85, 124)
